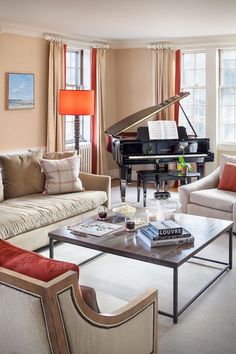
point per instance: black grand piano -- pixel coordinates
(137, 149)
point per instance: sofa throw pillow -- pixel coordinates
(62, 176)
(1, 187)
(228, 178)
(226, 158)
(21, 174)
(59, 155)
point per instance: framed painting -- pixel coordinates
(20, 91)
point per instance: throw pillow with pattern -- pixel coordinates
(62, 176)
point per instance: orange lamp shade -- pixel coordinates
(76, 102)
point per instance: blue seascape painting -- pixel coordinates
(20, 91)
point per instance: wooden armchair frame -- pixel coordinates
(70, 325)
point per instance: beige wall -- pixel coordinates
(21, 129)
(128, 87)
(134, 81)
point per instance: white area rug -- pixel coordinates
(206, 327)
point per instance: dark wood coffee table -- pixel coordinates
(122, 243)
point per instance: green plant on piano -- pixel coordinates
(184, 166)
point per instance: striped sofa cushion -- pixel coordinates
(62, 176)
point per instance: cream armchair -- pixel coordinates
(52, 317)
(205, 199)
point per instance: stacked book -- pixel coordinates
(164, 233)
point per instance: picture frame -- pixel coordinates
(20, 91)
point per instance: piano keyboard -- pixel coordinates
(144, 157)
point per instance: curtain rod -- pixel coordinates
(83, 43)
(162, 45)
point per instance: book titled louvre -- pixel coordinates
(165, 228)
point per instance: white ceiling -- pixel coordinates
(123, 20)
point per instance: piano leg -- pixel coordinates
(123, 181)
(129, 174)
(201, 168)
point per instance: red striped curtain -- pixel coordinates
(94, 118)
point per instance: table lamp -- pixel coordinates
(76, 103)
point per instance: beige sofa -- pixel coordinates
(205, 199)
(26, 220)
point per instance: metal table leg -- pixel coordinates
(230, 248)
(51, 248)
(175, 295)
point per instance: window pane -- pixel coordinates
(72, 61)
(72, 77)
(227, 114)
(228, 54)
(189, 60)
(67, 59)
(227, 96)
(228, 64)
(200, 96)
(188, 77)
(227, 133)
(200, 60)
(68, 76)
(228, 77)
(200, 77)
(201, 129)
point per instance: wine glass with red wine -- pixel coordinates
(102, 212)
(129, 224)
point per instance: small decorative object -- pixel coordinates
(125, 210)
(193, 147)
(20, 91)
(182, 165)
(149, 149)
(154, 213)
(129, 224)
(102, 212)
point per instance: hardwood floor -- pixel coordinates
(116, 182)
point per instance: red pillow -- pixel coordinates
(228, 178)
(32, 264)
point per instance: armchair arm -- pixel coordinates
(93, 182)
(208, 182)
(131, 330)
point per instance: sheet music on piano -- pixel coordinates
(162, 129)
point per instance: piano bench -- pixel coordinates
(144, 176)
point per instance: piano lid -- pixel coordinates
(142, 115)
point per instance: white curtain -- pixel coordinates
(164, 61)
(102, 158)
(56, 80)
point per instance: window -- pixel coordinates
(227, 96)
(77, 77)
(193, 80)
